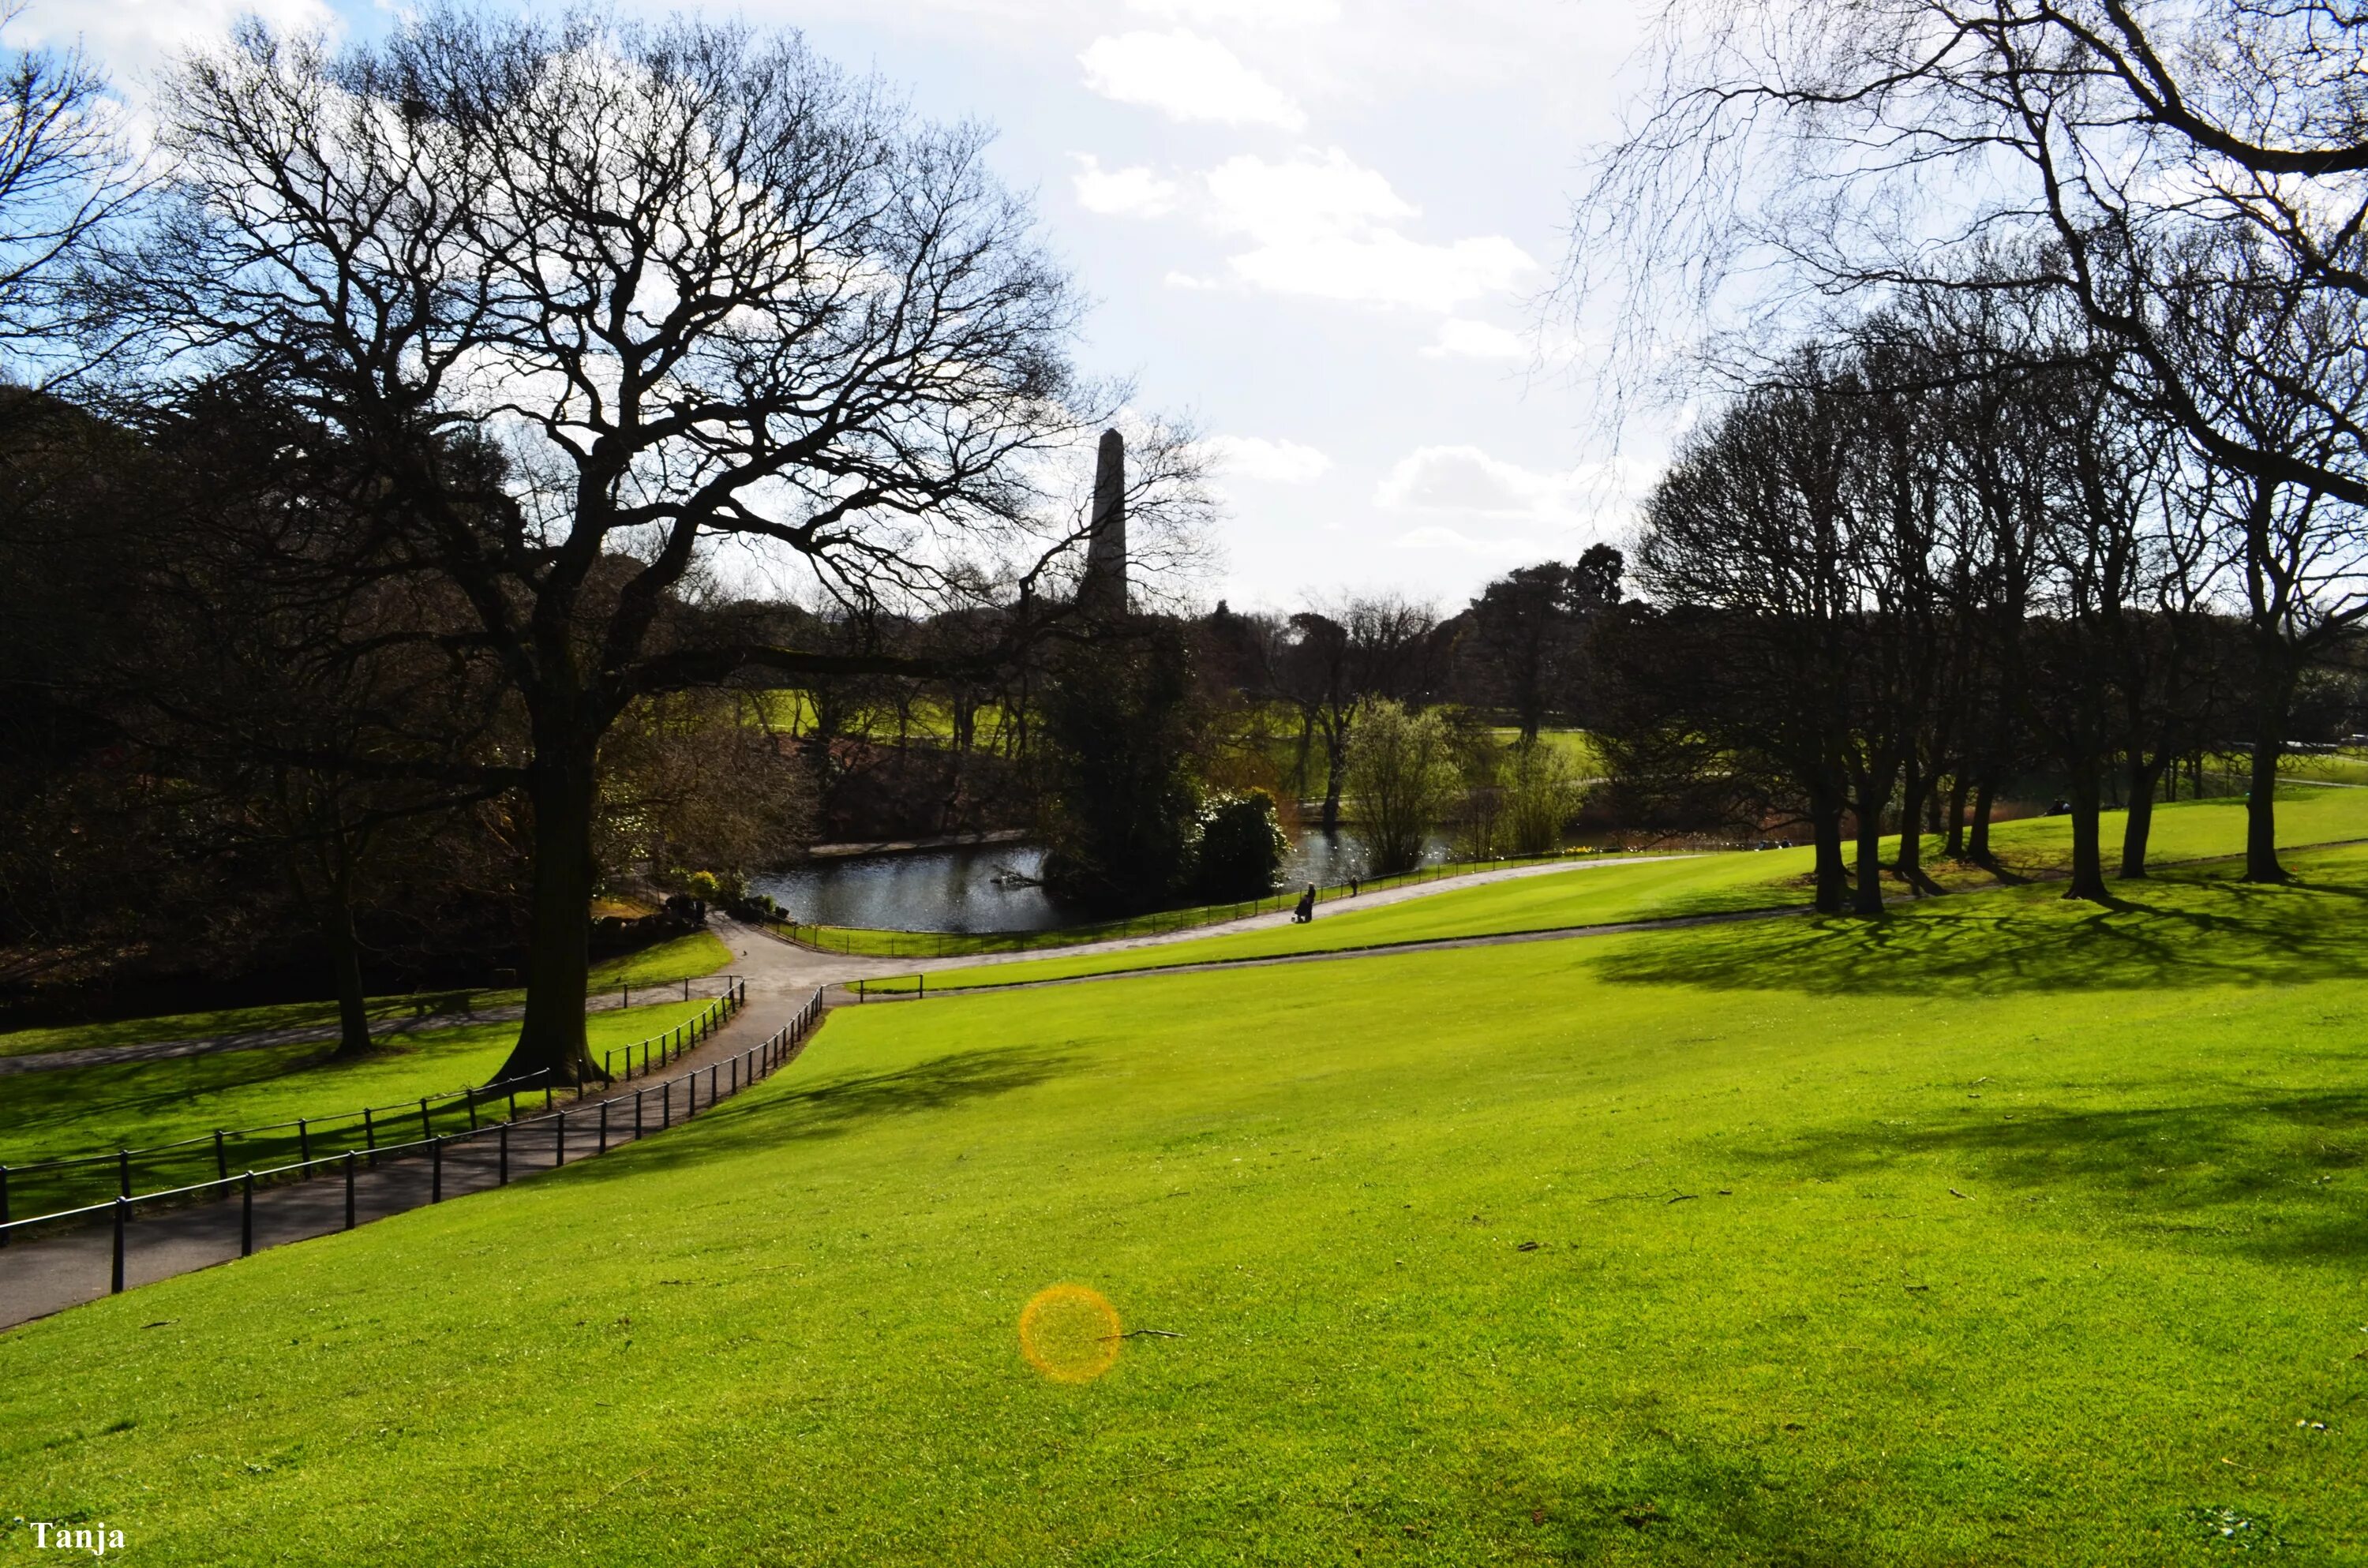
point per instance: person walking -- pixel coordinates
(1306, 910)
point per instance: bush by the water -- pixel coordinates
(1242, 846)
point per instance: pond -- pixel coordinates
(989, 886)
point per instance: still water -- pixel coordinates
(990, 887)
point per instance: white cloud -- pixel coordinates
(1465, 479)
(1256, 457)
(1463, 339)
(133, 40)
(1321, 224)
(1432, 536)
(1252, 13)
(1133, 192)
(1187, 77)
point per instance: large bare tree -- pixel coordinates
(597, 302)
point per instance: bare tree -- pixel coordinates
(666, 289)
(1791, 151)
(63, 171)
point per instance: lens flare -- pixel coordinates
(1069, 1333)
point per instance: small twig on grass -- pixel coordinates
(1685, 1196)
(1955, 1193)
(1141, 1333)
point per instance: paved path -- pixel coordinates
(302, 1034)
(67, 1267)
(823, 969)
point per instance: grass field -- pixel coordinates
(1703, 884)
(108, 1105)
(685, 958)
(2004, 1231)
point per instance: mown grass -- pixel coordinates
(2006, 1231)
(74, 1111)
(684, 958)
(1706, 884)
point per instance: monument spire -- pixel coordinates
(1102, 590)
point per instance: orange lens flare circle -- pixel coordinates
(1069, 1333)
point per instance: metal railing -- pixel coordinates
(305, 1132)
(653, 1108)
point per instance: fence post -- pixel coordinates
(503, 1180)
(686, 988)
(304, 1147)
(604, 1129)
(370, 1136)
(349, 1189)
(512, 1092)
(426, 1128)
(546, 1095)
(123, 1172)
(472, 1110)
(711, 1084)
(690, 1092)
(435, 1170)
(115, 1280)
(559, 1143)
(221, 1164)
(637, 1113)
(4, 1205)
(666, 1105)
(246, 1216)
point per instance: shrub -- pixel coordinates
(1242, 846)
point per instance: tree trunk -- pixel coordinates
(2145, 775)
(1909, 862)
(346, 966)
(2270, 704)
(1955, 849)
(1977, 842)
(1825, 831)
(1869, 798)
(561, 783)
(2087, 852)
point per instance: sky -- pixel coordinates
(1320, 230)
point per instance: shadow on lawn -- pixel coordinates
(2269, 1175)
(842, 1105)
(2175, 934)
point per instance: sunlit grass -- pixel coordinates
(2006, 1231)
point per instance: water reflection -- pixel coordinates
(990, 887)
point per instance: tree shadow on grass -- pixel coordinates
(2268, 1176)
(847, 1104)
(2160, 934)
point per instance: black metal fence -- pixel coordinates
(489, 1153)
(65, 1182)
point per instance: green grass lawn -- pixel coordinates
(2006, 1230)
(94, 1109)
(684, 958)
(1704, 885)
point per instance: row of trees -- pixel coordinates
(1943, 549)
(2072, 463)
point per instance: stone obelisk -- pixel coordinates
(1102, 590)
